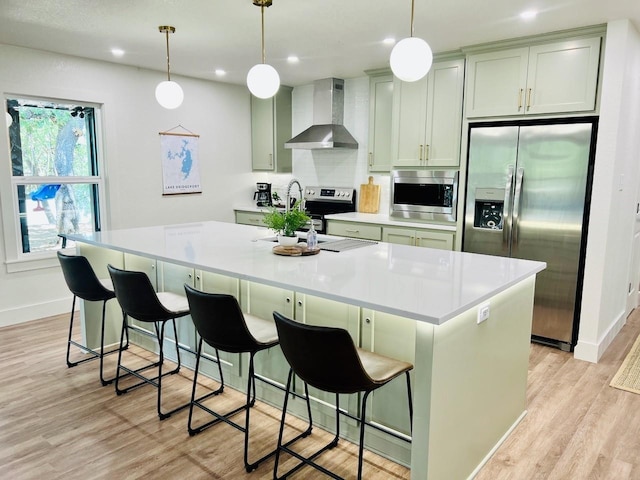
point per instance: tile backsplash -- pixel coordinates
(332, 167)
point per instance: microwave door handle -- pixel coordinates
(506, 214)
(516, 204)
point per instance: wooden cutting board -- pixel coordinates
(369, 197)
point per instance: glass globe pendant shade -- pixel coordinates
(9, 119)
(169, 94)
(263, 80)
(411, 59)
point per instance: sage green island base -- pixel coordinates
(415, 304)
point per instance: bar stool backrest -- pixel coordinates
(81, 279)
(137, 297)
(220, 321)
(324, 357)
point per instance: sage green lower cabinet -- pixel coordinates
(313, 310)
(389, 335)
(366, 231)
(262, 300)
(418, 238)
(250, 218)
(148, 266)
(231, 362)
(91, 312)
(172, 278)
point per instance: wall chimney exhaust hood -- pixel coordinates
(327, 130)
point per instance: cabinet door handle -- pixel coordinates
(352, 231)
(426, 153)
(254, 220)
(420, 154)
(299, 303)
(371, 159)
(288, 300)
(271, 159)
(520, 98)
(528, 99)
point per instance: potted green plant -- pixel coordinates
(285, 223)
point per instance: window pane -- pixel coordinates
(50, 209)
(49, 139)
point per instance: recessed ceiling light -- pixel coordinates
(528, 14)
(292, 59)
(117, 52)
(389, 41)
(220, 72)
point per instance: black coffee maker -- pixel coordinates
(263, 195)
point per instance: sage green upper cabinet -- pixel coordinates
(380, 108)
(427, 118)
(270, 129)
(541, 79)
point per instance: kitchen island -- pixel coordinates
(464, 320)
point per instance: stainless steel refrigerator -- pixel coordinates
(527, 196)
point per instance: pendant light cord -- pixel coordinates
(168, 68)
(262, 16)
(412, 8)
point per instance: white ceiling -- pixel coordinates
(339, 38)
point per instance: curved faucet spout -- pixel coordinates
(287, 205)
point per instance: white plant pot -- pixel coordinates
(287, 241)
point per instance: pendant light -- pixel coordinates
(168, 93)
(411, 58)
(263, 80)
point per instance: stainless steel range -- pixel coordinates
(321, 201)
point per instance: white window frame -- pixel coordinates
(15, 259)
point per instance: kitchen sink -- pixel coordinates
(338, 245)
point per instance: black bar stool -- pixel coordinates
(222, 325)
(84, 284)
(140, 301)
(326, 358)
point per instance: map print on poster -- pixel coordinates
(180, 166)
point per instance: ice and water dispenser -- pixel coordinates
(489, 208)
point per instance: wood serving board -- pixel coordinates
(369, 197)
(294, 251)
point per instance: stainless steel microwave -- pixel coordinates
(424, 194)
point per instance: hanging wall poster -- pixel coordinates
(180, 166)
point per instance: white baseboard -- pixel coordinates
(592, 352)
(28, 313)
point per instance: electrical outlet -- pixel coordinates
(483, 312)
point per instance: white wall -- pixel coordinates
(609, 267)
(219, 113)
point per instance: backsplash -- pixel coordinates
(332, 167)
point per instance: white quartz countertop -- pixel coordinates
(420, 283)
(377, 218)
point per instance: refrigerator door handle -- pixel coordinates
(506, 214)
(516, 204)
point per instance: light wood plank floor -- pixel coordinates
(57, 422)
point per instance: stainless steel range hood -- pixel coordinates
(327, 130)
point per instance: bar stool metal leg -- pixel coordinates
(94, 354)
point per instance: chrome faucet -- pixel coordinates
(287, 204)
